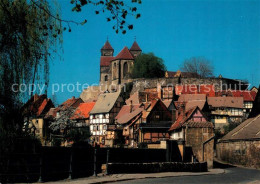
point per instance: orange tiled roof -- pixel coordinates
(83, 110)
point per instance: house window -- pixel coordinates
(104, 127)
(125, 69)
(94, 128)
(106, 78)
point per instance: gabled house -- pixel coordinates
(242, 144)
(103, 114)
(155, 121)
(193, 100)
(146, 122)
(81, 114)
(126, 119)
(193, 130)
(34, 111)
(225, 110)
(58, 119)
(248, 97)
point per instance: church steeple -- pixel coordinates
(135, 49)
(107, 49)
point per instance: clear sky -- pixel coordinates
(225, 32)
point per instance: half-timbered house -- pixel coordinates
(103, 114)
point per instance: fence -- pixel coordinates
(56, 163)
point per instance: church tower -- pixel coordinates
(107, 49)
(135, 49)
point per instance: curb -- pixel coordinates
(221, 171)
(138, 176)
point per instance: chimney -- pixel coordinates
(181, 110)
(131, 106)
(35, 97)
(146, 97)
(159, 90)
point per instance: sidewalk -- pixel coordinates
(125, 177)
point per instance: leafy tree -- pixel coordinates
(198, 65)
(78, 135)
(148, 66)
(117, 11)
(27, 37)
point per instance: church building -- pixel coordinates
(116, 69)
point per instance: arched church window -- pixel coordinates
(125, 69)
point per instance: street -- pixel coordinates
(232, 175)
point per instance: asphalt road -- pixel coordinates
(232, 175)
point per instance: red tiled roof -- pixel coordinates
(106, 60)
(44, 107)
(192, 97)
(37, 105)
(83, 110)
(206, 89)
(124, 54)
(134, 98)
(72, 102)
(135, 47)
(235, 102)
(126, 110)
(199, 103)
(51, 113)
(129, 116)
(182, 118)
(193, 124)
(186, 89)
(107, 46)
(247, 95)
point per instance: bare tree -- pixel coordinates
(198, 65)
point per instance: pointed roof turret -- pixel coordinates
(135, 47)
(107, 46)
(124, 54)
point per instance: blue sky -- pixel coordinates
(225, 32)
